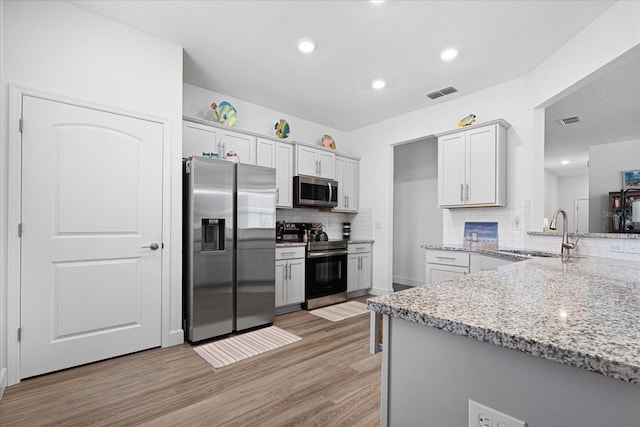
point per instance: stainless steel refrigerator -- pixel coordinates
(228, 247)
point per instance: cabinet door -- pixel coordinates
(327, 164)
(281, 281)
(435, 273)
(365, 271)
(480, 186)
(198, 139)
(284, 175)
(351, 183)
(265, 153)
(340, 177)
(306, 163)
(295, 284)
(243, 145)
(353, 273)
(451, 169)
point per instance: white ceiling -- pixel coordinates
(608, 105)
(247, 49)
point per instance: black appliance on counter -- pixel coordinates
(325, 263)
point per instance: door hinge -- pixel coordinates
(19, 334)
(21, 125)
(20, 230)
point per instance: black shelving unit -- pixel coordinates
(615, 205)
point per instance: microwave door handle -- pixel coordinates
(330, 192)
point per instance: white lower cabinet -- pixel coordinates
(289, 276)
(442, 265)
(359, 266)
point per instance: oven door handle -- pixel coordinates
(321, 254)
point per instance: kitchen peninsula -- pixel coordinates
(550, 341)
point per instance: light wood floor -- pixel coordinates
(328, 378)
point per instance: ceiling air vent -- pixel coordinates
(442, 92)
(570, 120)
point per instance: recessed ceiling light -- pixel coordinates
(306, 46)
(377, 1)
(378, 84)
(449, 54)
(564, 162)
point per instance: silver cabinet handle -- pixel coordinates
(467, 187)
(289, 271)
(461, 193)
(277, 194)
(348, 201)
(153, 246)
(446, 257)
(220, 153)
(284, 272)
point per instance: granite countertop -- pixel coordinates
(582, 312)
(629, 236)
(359, 241)
(289, 244)
(514, 254)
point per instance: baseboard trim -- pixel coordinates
(3, 381)
(176, 337)
(407, 281)
(380, 291)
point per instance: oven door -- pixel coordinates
(326, 273)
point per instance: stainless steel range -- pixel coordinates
(325, 264)
(326, 273)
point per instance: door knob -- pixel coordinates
(153, 246)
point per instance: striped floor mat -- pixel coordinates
(340, 311)
(230, 350)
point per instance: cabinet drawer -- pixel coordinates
(448, 258)
(359, 248)
(290, 252)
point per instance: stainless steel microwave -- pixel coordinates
(314, 192)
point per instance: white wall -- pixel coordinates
(254, 118)
(375, 144)
(4, 161)
(59, 49)
(417, 218)
(571, 188)
(520, 102)
(572, 66)
(551, 194)
(606, 163)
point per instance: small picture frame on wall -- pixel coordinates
(631, 179)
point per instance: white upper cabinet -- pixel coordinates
(314, 162)
(472, 166)
(284, 175)
(347, 175)
(200, 138)
(243, 145)
(265, 152)
(278, 155)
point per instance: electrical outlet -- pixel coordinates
(516, 222)
(483, 416)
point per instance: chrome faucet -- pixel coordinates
(566, 244)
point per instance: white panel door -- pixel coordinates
(91, 209)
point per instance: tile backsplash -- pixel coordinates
(361, 222)
(513, 223)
